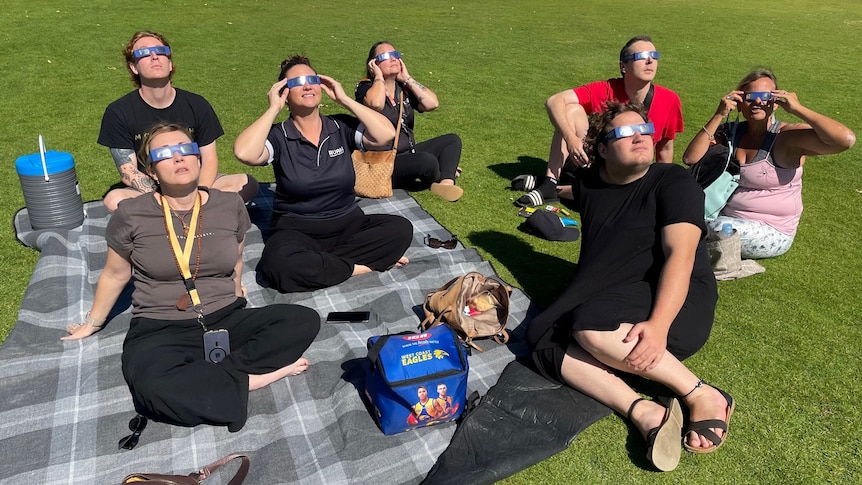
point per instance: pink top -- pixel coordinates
(769, 194)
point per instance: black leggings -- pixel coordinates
(308, 254)
(431, 161)
(171, 382)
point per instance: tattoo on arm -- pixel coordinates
(127, 165)
(418, 84)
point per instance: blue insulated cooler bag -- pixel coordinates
(416, 379)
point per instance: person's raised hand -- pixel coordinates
(277, 94)
(787, 100)
(728, 103)
(332, 88)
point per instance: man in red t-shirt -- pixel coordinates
(569, 111)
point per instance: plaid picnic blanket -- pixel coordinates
(65, 404)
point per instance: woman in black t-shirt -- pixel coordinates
(643, 295)
(432, 162)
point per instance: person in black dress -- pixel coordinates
(643, 296)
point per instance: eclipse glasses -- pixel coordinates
(762, 96)
(629, 130)
(388, 55)
(643, 55)
(159, 50)
(302, 81)
(163, 153)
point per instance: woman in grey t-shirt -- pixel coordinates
(191, 341)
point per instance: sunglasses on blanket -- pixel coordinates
(434, 243)
(136, 426)
(159, 50)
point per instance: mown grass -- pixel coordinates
(786, 343)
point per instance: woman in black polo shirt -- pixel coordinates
(319, 235)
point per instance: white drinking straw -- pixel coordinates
(42, 153)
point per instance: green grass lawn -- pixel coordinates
(786, 343)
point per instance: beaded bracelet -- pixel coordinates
(93, 322)
(710, 135)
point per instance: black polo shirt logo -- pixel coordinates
(337, 152)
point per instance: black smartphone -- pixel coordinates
(216, 345)
(361, 316)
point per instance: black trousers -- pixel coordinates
(305, 255)
(432, 161)
(172, 382)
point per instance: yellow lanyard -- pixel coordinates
(183, 256)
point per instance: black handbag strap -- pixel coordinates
(649, 96)
(400, 116)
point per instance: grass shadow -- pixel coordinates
(541, 276)
(525, 165)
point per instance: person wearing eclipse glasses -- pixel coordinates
(766, 206)
(149, 59)
(319, 235)
(388, 88)
(569, 111)
(643, 295)
(192, 352)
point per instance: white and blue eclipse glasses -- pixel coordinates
(388, 55)
(163, 153)
(762, 96)
(302, 81)
(629, 130)
(643, 55)
(161, 50)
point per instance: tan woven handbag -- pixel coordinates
(374, 168)
(472, 305)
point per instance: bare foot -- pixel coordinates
(647, 415)
(705, 403)
(401, 262)
(359, 269)
(258, 381)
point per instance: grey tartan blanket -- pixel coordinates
(65, 405)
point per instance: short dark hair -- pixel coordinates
(294, 60)
(640, 38)
(600, 126)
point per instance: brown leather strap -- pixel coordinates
(400, 115)
(237, 479)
